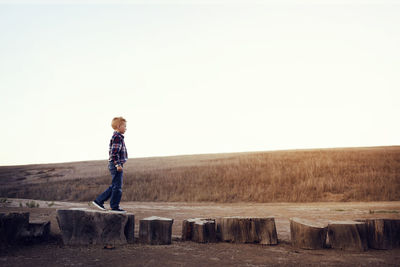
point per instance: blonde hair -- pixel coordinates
(116, 122)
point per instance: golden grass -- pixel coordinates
(351, 174)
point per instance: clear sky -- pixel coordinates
(196, 76)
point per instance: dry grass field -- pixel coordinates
(342, 174)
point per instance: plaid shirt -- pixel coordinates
(117, 150)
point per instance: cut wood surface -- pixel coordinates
(247, 230)
(199, 230)
(155, 230)
(348, 235)
(307, 234)
(80, 226)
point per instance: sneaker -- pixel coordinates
(119, 210)
(98, 205)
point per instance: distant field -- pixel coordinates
(348, 174)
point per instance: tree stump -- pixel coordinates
(15, 228)
(37, 231)
(383, 233)
(12, 227)
(130, 229)
(348, 235)
(307, 235)
(155, 230)
(247, 230)
(199, 230)
(84, 227)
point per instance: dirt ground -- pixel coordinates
(181, 253)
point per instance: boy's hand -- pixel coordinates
(119, 168)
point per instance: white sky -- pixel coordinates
(196, 77)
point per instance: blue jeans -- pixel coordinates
(115, 190)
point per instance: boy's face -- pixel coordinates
(122, 128)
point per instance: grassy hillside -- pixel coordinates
(350, 174)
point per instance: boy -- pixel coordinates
(117, 157)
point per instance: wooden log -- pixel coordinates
(307, 235)
(247, 230)
(396, 233)
(199, 230)
(348, 235)
(204, 231)
(383, 233)
(37, 231)
(12, 227)
(15, 228)
(130, 229)
(81, 226)
(155, 230)
(187, 230)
